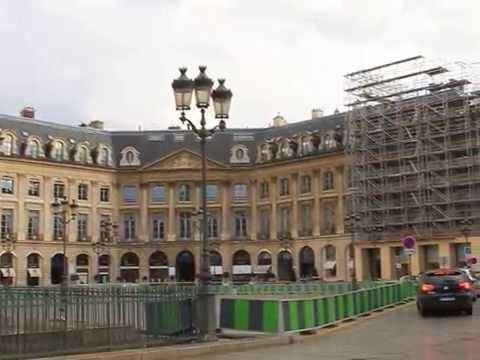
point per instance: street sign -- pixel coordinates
(467, 250)
(398, 266)
(408, 252)
(409, 242)
(472, 261)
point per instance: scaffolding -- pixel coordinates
(413, 140)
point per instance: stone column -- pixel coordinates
(225, 211)
(253, 212)
(21, 218)
(316, 203)
(386, 262)
(20, 266)
(339, 189)
(294, 219)
(171, 212)
(72, 225)
(273, 204)
(46, 193)
(143, 233)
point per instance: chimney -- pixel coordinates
(316, 113)
(28, 112)
(279, 121)
(96, 124)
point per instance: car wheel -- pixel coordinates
(469, 311)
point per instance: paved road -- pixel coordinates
(397, 335)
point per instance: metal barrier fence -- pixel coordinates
(45, 321)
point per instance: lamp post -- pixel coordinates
(352, 220)
(466, 228)
(183, 88)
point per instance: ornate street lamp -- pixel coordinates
(221, 96)
(106, 239)
(352, 221)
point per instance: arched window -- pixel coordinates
(264, 258)
(58, 150)
(264, 153)
(285, 151)
(83, 156)
(158, 258)
(241, 257)
(33, 148)
(306, 145)
(104, 156)
(329, 142)
(8, 142)
(82, 260)
(129, 156)
(129, 259)
(330, 263)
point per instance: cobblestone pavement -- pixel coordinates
(397, 335)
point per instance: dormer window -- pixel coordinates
(329, 142)
(239, 154)
(58, 150)
(7, 146)
(104, 156)
(83, 156)
(129, 157)
(33, 148)
(264, 154)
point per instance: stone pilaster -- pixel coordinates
(273, 213)
(143, 235)
(171, 213)
(316, 203)
(294, 219)
(253, 211)
(225, 235)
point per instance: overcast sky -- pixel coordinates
(114, 60)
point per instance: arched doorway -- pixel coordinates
(242, 266)
(264, 265)
(7, 273)
(103, 275)
(185, 266)
(33, 270)
(58, 268)
(216, 264)
(285, 266)
(130, 267)
(158, 266)
(81, 264)
(307, 263)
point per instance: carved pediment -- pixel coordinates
(182, 160)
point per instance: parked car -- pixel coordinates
(444, 290)
(409, 278)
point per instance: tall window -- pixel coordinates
(129, 228)
(157, 193)
(240, 224)
(212, 226)
(7, 185)
(33, 187)
(306, 184)
(263, 190)
(306, 220)
(82, 192)
(328, 224)
(240, 191)
(83, 157)
(158, 226)
(8, 142)
(185, 225)
(82, 227)
(104, 194)
(184, 192)
(105, 227)
(6, 223)
(284, 187)
(33, 148)
(33, 222)
(328, 180)
(264, 223)
(284, 220)
(58, 226)
(59, 149)
(129, 193)
(212, 192)
(59, 190)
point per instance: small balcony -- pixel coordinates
(84, 239)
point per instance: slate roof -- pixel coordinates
(156, 144)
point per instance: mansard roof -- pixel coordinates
(155, 144)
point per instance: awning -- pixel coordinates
(34, 273)
(216, 270)
(242, 269)
(262, 269)
(329, 265)
(7, 272)
(154, 267)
